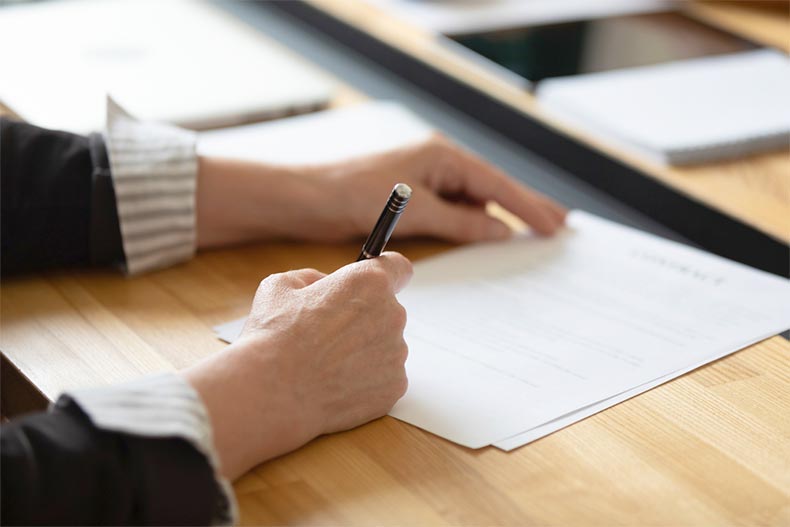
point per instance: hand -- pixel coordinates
(451, 189)
(240, 201)
(318, 354)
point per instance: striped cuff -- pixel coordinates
(154, 172)
(162, 405)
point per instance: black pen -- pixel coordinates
(380, 234)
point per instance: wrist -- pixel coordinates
(352, 184)
(252, 415)
(241, 201)
(323, 212)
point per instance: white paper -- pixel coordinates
(230, 331)
(511, 341)
(511, 336)
(687, 111)
(323, 137)
(472, 16)
(552, 426)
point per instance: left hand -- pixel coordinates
(240, 201)
(451, 189)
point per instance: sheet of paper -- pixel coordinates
(472, 16)
(517, 334)
(322, 137)
(582, 413)
(511, 341)
(230, 331)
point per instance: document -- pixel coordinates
(510, 341)
(508, 337)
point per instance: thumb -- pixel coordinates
(395, 268)
(464, 223)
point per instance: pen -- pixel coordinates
(381, 232)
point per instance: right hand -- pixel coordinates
(318, 354)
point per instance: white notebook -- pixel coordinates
(322, 137)
(689, 111)
(180, 61)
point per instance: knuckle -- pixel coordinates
(409, 266)
(404, 352)
(470, 230)
(402, 386)
(312, 272)
(270, 280)
(304, 277)
(377, 276)
(402, 261)
(436, 143)
(476, 230)
(288, 279)
(399, 316)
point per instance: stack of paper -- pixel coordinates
(688, 111)
(512, 341)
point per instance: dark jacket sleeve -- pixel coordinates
(58, 469)
(58, 205)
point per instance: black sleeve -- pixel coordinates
(58, 204)
(58, 469)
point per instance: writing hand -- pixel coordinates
(318, 354)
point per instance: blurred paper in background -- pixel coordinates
(179, 61)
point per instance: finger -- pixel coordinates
(483, 181)
(540, 212)
(558, 211)
(396, 266)
(301, 278)
(463, 223)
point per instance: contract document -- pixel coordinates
(511, 341)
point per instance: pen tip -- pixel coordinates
(402, 190)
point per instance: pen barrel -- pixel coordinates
(382, 231)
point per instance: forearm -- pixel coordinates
(248, 428)
(241, 201)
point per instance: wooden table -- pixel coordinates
(712, 447)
